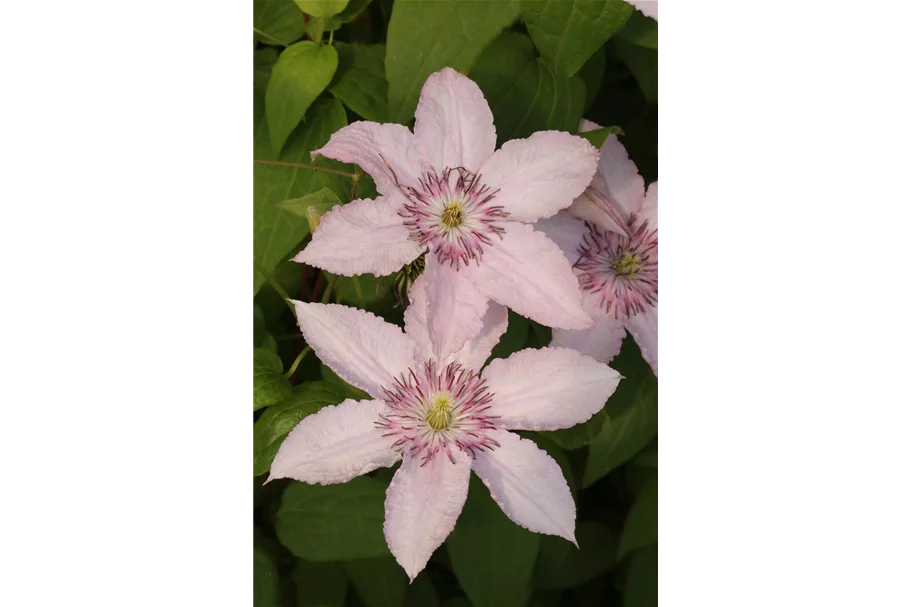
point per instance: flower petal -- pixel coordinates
(538, 176)
(526, 271)
(475, 351)
(620, 182)
(363, 236)
(602, 342)
(588, 207)
(422, 505)
(587, 125)
(453, 123)
(649, 208)
(649, 8)
(363, 349)
(644, 329)
(335, 444)
(567, 233)
(548, 389)
(455, 307)
(387, 152)
(528, 485)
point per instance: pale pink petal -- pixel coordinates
(602, 342)
(649, 8)
(538, 176)
(455, 307)
(475, 351)
(649, 208)
(548, 388)
(363, 349)
(335, 444)
(587, 125)
(620, 183)
(361, 237)
(527, 272)
(567, 233)
(453, 123)
(644, 329)
(422, 505)
(387, 152)
(591, 207)
(528, 485)
(416, 318)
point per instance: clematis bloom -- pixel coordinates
(615, 255)
(443, 189)
(443, 418)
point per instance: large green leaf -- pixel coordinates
(322, 8)
(302, 72)
(642, 579)
(278, 21)
(421, 593)
(269, 383)
(579, 435)
(568, 32)
(641, 526)
(265, 579)
(360, 81)
(333, 522)
(562, 565)
(320, 584)
(380, 582)
(524, 94)
(625, 435)
(640, 30)
(643, 64)
(492, 557)
(426, 35)
(275, 232)
(273, 426)
(592, 74)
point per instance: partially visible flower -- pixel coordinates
(614, 253)
(443, 418)
(446, 191)
(649, 8)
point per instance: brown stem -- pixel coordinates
(299, 165)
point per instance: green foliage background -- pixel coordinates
(541, 65)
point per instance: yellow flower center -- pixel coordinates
(453, 214)
(627, 264)
(439, 415)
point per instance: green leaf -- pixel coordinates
(524, 94)
(625, 435)
(380, 582)
(302, 72)
(350, 391)
(360, 81)
(269, 384)
(275, 232)
(597, 136)
(322, 8)
(567, 33)
(642, 579)
(592, 74)
(425, 36)
(263, 60)
(265, 579)
(640, 30)
(333, 522)
(421, 593)
(492, 557)
(643, 63)
(647, 459)
(561, 565)
(312, 206)
(261, 336)
(320, 584)
(352, 11)
(579, 435)
(514, 339)
(278, 21)
(273, 426)
(641, 526)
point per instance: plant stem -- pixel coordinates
(298, 360)
(354, 181)
(329, 285)
(274, 284)
(299, 165)
(265, 35)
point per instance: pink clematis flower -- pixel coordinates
(615, 255)
(443, 418)
(443, 189)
